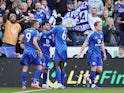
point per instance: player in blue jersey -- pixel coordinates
(31, 54)
(95, 43)
(60, 55)
(45, 41)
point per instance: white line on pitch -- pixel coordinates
(30, 91)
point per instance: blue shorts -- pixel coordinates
(45, 61)
(60, 56)
(29, 58)
(95, 61)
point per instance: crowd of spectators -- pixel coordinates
(15, 16)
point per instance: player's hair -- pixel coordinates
(45, 23)
(58, 20)
(33, 22)
(96, 23)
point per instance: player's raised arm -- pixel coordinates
(103, 50)
(82, 48)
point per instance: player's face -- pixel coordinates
(47, 25)
(99, 26)
(37, 25)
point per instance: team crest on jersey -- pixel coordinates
(99, 41)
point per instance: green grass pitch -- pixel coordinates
(66, 90)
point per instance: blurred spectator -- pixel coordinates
(11, 32)
(39, 13)
(27, 24)
(9, 4)
(105, 16)
(2, 8)
(15, 9)
(120, 21)
(72, 34)
(30, 4)
(69, 7)
(45, 8)
(118, 8)
(98, 4)
(120, 52)
(51, 4)
(79, 39)
(61, 6)
(93, 17)
(111, 35)
(77, 3)
(23, 18)
(1, 30)
(109, 5)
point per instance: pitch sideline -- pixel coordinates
(31, 90)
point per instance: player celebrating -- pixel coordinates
(60, 55)
(45, 41)
(95, 44)
(31, 54)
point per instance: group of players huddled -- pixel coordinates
(37, 52)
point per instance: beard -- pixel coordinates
(13, 21)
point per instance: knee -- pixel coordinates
(99, 71)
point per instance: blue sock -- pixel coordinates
(24, 78)
(62, 77)
(58, 75)
(92, 76)
(44, 78)
(37, 75)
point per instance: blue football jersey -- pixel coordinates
(29, 34)
(41, 17)
(45, 41)
(60, 34)
(94, 44)
(30, 55)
